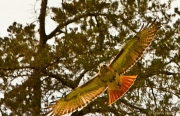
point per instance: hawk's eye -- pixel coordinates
(102, 65)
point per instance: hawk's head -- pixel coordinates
(103, 68)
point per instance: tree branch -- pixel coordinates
(135, 107)
(16, 68)
(151, 84)
(43, 37)
(64, 81)
(168, 73)
(59, 27)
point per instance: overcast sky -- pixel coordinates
(21, 11)
(15, 10)
(24, 11)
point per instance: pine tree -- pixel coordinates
(88, 33)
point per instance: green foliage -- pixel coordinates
(31, 72)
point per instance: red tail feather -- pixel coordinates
(126, 82)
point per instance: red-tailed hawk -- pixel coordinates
(109, 76)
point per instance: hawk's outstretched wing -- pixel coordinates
(79, 97)
(134, 49)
